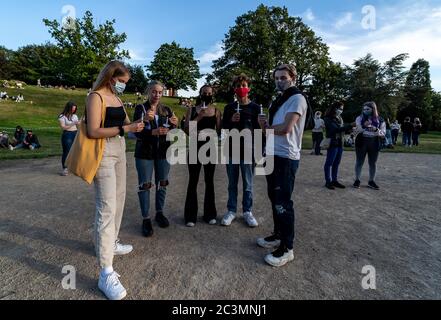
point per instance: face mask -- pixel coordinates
(207, 99)
(339, 112)
(242, 92)
(367, 112)
(283, 85)
(317, 116)
(119, 87)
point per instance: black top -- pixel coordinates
(334, 130)
(206, 122)
(115, 117)
(407, 127)
(249, 119)
(149, 147)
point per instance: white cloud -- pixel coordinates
(309, 15)
(344, 21)
(413, 28)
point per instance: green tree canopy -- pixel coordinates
(175, 66)
(85, 48)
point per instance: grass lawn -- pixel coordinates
(41, 108)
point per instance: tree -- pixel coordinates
(176, 67)
(418, 93)
(138, 81)
(6, 69)
(85, 48)
(436, 110)
(263, 39)
(33, 62)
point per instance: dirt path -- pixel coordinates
(46, 223)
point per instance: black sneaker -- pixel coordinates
(373, 185)
(147, 228)
(338, 185)
(162, 220)
(357, 184)
(270, 242)
(330, 186)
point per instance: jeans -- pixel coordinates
(333, 160)
(280, 190)
(145, 184)
(395, 134)
(388, 138)
(191, 203)
(110, 197)
(317, 138)
(371, 148)
(233, 180)
(407, 136)
(67, 139)
(416, 138)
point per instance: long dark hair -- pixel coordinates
(331, 112)
(68, 110)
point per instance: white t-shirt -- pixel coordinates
(69, 123)
(319, 124)
(290, 145)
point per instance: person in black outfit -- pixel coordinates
(207, 117)
(335, 129)
(407, 129)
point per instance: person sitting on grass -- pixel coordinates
(4, 140)
(31, 141)
(19, 137)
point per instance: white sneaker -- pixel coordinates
(212, 222)
(190, 225)
(112, 287)
(270, 242)
(11, 148)
(31, 148)
(250, 220)
(64, 173)
(280, 257)
(228, 219)
(122, 249)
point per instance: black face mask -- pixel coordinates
(207, 99)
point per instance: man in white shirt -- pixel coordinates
(317, 133)
(285, 127)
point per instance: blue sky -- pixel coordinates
(400, 26)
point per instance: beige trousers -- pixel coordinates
(110, 196)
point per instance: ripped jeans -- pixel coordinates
(280, 190)
(145, 183)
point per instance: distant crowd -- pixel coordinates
(20, 140)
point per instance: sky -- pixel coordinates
(350, 28)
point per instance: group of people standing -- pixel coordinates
(369, 129)
(151, 123)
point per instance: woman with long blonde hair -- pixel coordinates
(110, 180)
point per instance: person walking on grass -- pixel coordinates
(417, 127)
(317, 134)
(151, 155)
(407, 132)
(371, 128)
(207, 116)
(287, 118)
(243, 116)
(335, 130)
(68, 121)
(110, 180)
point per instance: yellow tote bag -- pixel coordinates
(86, 154)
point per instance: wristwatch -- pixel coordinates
(121, 131)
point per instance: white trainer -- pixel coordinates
(228, 219)
(250, 220)
(122, 249)
(11, 148)
(190, 225)
(280, 258)
(212, 222)
(112, 287)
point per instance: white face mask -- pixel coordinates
(119, 87)
(339, 112)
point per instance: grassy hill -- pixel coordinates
(42, 106)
